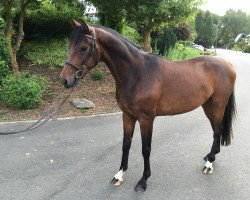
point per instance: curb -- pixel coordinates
(63, 118)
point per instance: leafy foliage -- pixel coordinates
(22, 91)
(96, 75)
(111, 13)
(183, 32)
(180, 52)
(51, 19)
(234, 23)
(4, 70)
(131, 34)
(206, 29)
(4, 54)
(149, 15)
(52, 52)
(165, 41)
(246, 49)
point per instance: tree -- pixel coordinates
(9, 7)
(234, 23)
(206, 29)
(183, 32)
(199, 22)
(111, 13)
(163, 39)
(149, 15)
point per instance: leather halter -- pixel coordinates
(80, 69)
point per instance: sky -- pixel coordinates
(221, 6)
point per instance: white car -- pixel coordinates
(197, 46)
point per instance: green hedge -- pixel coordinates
(50, 20)
(23, 91)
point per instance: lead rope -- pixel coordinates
(47, 115)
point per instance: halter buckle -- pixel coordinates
(79, 74)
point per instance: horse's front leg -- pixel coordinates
(146, 125)
(128, 130)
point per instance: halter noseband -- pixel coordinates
(80, 69)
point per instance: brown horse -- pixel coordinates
(148, 86)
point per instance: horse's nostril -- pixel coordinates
(64, 82)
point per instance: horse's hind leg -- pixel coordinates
(128, 128)
(214, 112)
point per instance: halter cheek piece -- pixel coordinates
(80, 69)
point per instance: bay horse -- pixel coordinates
(148, 86)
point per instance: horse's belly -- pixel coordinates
(179, 105)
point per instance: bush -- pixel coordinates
(240, 46)
(180, 52)
(131, 34)
(4, 54)
(50, 52)
(96, 75)
(165, 41)
(4, 71)
(183, 32)
(246, 49)
(22, 91)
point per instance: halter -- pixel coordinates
(80, 69)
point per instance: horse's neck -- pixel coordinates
(119, 57)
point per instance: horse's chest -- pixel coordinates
(125, 102)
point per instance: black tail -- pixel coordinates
(229, 115)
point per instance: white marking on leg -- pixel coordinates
(118, 177)
(208, 168)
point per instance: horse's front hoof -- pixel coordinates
(208, 168)
(116, 182)
(141, 187)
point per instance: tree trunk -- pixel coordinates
(20, 30)
(8, 4)
(14, 63)
(147, 46)
(9, 23)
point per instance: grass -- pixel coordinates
(52, 52)
(181, 52)
(83, 110)
(96, 75)
(85, 94)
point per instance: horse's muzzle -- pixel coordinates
(68, 82)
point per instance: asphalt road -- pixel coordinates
(76, 159)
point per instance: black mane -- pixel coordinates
(125, 40)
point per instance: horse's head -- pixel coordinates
(83, 54)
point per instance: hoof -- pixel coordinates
(208, 168)
(141, 186)
(116, 182)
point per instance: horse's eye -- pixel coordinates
(83, 49)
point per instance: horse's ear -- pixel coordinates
(80, 23)
(84, 25)
(75, 23)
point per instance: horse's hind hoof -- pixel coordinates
(116, 182)
(208, 168)
(141, 186)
